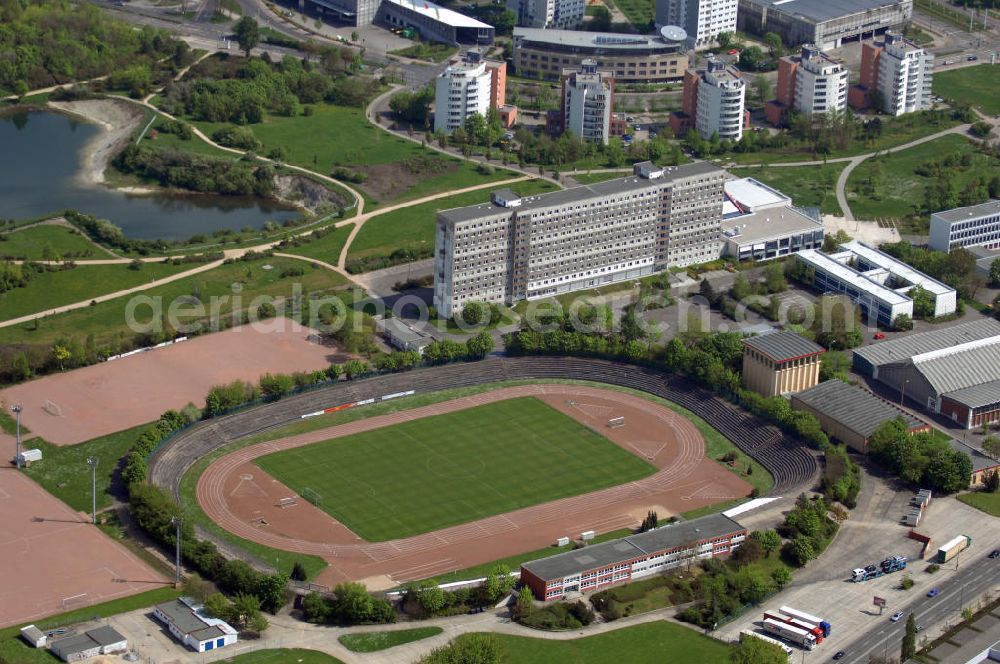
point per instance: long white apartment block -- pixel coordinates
(971, 226)
(878, 283)
(522, 248)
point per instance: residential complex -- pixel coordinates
(824, 23)
(544, 54)
(972, 226)
(811, 82)
(780, 363)
(587, 99)
(954, 371)
(896, 77)
(598, 566)
(516, 248)
(702, 20)
(464, 88)
(713, 102)
(878, 283)
(547, 13)
(850, 413)
(760, 223)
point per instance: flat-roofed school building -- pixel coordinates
(971, 226)
(598, 566)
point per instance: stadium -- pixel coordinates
(410, 476)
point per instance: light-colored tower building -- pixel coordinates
(780, 363)
(462, 89)
(526, 248)
(562, 14)
(811, 82)
(719, 102)
(896, 76)
(587, 99)
(703, 20)
(905, 71)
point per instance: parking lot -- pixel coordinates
(873, 532)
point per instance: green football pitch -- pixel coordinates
(444, 470)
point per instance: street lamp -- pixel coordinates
(92, 462)
(177, 521)
(902, 391)
(17, 453)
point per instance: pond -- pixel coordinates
(40, 162)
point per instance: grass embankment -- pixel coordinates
(648, 643)
(977, 86)
(895, 131)
(807, 186)
(985, 501)
(53, 289)
(900, 191)
(49, 242)
(450, 451)
(284, 656)
(375, 641)
(430, 51)
(107, 319)
(326, 248)
(394, 169)
(14, 650)
(717, 445)
(412, 228)
(63, 471)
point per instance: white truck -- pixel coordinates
(790, 633)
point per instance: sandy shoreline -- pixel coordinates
(117, 119)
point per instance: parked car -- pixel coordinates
(734, 51)
(933, 592)
(972, 58)
(918, 627)
(897, 616)
(994, 554)
(879, 336)
(840, 655)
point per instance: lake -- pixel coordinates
(40, 158)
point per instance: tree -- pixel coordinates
(909, 646)
(762, 88)
(902, 322)
(353, 604)
(752, 59)
(480, 345)
(197, 587)
(498, 583)
(244, 610)
(60, 354)
(247, 34)
(799, 551)
(831, 243)
(600, 21)
(217, 605)
(757, 651)
(923, 302)
(774, 44)
(650, 522)
(991, 445)
(430, 596)
(781, 577)
(769, 540)
(468, 649)
(475, 313)
(299, 572)
(315, 608)
(995, 273)
(525, 603)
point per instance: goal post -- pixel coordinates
(312, 496)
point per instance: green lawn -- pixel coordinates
(977, 86)
(326, 249)
(107, 319)
(442, 471)
(283, 656)
(902, 192)
(14, 650)
(648, 643)
(34, 244)
(64, 473)
(412, 228)
(374, 641)
(895, 131)
(53, 289)
(432, 52)
(983, 500)
(808, 186)
(639, 12)
(396, 169)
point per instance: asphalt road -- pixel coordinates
(977, 574)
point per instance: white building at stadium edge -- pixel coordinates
(523, 248)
